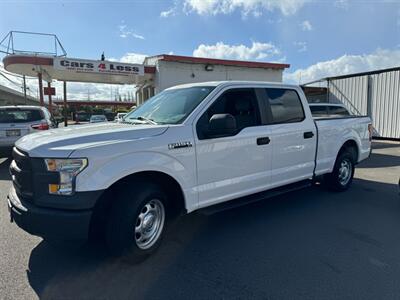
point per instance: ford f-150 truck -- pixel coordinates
(187, 148)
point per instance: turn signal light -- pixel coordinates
(41, 126)
(53, 188)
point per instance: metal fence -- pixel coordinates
(376, 94)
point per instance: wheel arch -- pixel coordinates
(176, 206)
(351, 145)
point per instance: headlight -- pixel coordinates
(68, 170)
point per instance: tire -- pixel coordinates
(342, 175)
(137, 221)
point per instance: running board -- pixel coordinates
(254, 198)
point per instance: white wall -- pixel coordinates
(376, 95)
(173, 73)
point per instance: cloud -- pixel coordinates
(306, 25)
(254, 7)
(301, 46)
(125, 31)
(168, 13)
(346, 64)
(344, 4)
(257, 51)
(133, 58)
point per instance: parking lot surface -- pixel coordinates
(309, 244)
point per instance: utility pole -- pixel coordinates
(41, 89)
(65, 105)
(50, 100)
(26, 100)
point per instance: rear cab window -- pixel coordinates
(338, 110)
(20, 115)
(318, 110)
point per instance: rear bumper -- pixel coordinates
(47, 222)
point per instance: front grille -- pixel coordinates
(21, 172)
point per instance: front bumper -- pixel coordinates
(47, 222)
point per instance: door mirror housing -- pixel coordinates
(221, 125)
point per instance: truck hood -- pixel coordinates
(63, 141)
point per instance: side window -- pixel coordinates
(285, 105)
(240, 103)
(337, 110)
(319, 110)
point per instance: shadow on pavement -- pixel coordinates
(4, 165)
(276, 247)
(379, 160)
(376, 144)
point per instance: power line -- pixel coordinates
(1, 73)
(19, 85)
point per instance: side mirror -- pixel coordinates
(221, 125)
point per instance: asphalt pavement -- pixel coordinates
(309, 244)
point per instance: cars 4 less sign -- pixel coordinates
(97, 66)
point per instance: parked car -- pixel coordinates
(326, 110)
(119, 117)
(196, 146)
(82, 117)
(17, 121)
(98, 119)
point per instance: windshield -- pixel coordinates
(170, 106)
(16, 115)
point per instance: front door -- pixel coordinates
(232, 166)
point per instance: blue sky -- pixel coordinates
(317, 38)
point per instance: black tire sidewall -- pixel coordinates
(334, 176)
(120, 228)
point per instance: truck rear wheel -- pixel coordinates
(343, 172)
(137, 221)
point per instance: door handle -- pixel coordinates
(263, 140)
(308, 134)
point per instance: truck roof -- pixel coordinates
(233, 83)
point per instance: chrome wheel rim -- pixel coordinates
(345, 171)
(149, 224)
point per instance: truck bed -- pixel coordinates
(333, 132)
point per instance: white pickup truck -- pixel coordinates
(189, 147)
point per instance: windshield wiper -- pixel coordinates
(149, 121)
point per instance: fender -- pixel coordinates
(350, 135)
(101, 175)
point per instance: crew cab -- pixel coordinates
(190, 147)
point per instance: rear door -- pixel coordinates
(293, 136)
(237, 165)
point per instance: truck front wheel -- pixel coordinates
(137, 221)
(343, 172)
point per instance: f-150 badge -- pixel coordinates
(179, 145)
